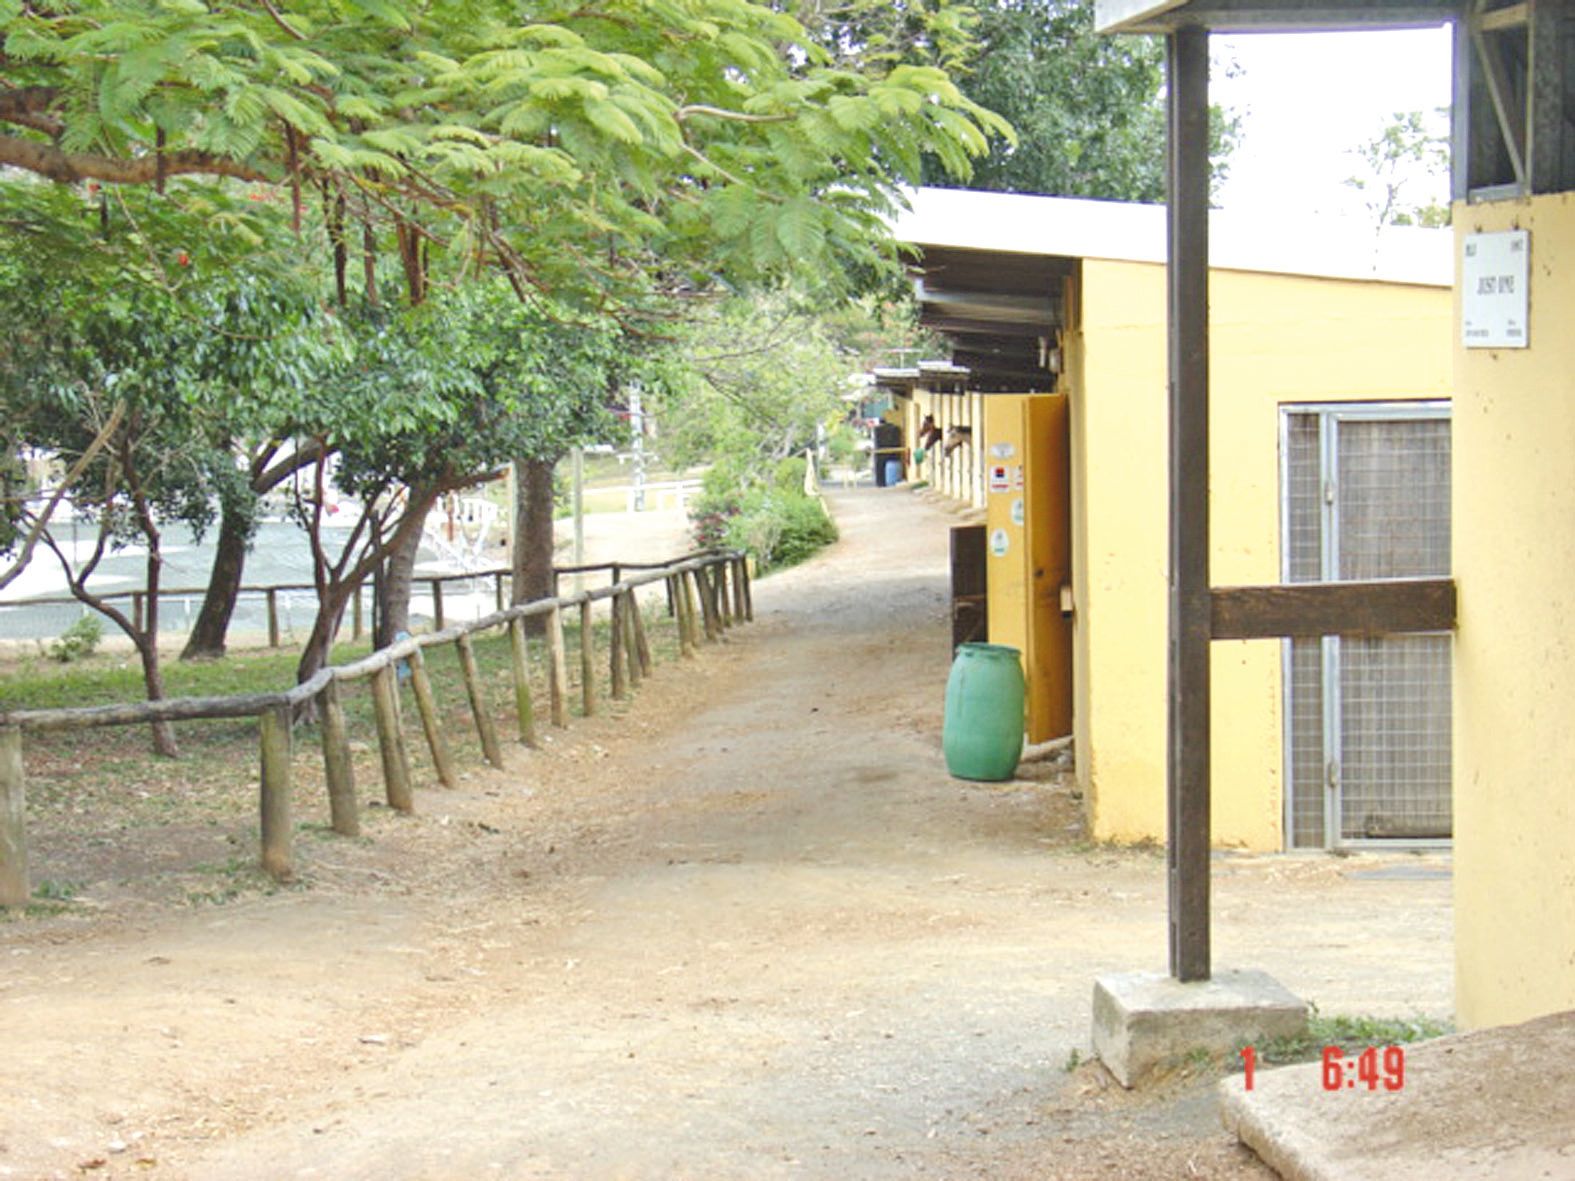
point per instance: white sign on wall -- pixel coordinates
(1495, 274)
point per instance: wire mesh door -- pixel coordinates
(1368, 742)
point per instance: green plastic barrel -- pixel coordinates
(983, 733)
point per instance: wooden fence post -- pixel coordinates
(587, 660)
(707, 607)
(686, 616)
(136, 609)
(714, 598)
(274, 733)
(497, 590)
(749, 589)
(14, 887)
(724, 604)
(558, 668)
(478, 703)
(431, 724)
(642, 645)
(391, 740)
(357, 627)
(631, 643)
(739, 613)
(523, 708)
(672, 599)
(437, 605)
(273, 618)
(337, 767)
(615, 646)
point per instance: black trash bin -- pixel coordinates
(888, 446)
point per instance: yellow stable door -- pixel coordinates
(1027, 480)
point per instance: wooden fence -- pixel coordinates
(707, 594)
(500, 577)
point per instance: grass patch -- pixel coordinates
(1351, 1034)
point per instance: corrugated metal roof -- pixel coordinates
(1069, 227)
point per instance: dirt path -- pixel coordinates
(748, 929)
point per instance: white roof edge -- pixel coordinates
(1074, 227)
(1111, 16)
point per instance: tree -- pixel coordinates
(751, 380)
(562, 143)
(1088, 110)
(434, 399)
(115, 379)
(602, 158)
(272, 351)
(1410, 156)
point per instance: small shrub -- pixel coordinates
(710, 528)
(842, 444)
(790, 473)
(79, 640)
(49, 890)
(780, 529)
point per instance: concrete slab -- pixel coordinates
(1145, 1022)
(1494, 1103)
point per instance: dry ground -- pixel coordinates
(744, 927)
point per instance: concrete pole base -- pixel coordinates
(1146, 1023)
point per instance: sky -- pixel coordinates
(1306, 99)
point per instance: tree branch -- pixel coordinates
(268, 478)
(278, 19)
(29, 106)
(64, 167)
(41, 522)
(688, 112)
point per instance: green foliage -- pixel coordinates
(50, 890)
(1088, 109)
(80, 639)
(569, 145)
(789, 473)
(1404, 177)
(750, 381)
(775, 522)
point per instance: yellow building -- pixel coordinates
(1513, 449)
(1323, 348)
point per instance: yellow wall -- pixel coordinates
(1276, 339)
(1514, 562)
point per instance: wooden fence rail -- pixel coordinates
(500, 576)
(629, 654)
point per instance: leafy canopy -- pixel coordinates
(1088, 109)
(564, 142)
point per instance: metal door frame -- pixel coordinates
(1330, 415)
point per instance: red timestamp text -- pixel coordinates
(1373, 1068)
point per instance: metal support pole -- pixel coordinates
(1187, 83)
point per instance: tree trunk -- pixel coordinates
(319, 645)
(393, 591)
(533, 537)
(337, 587)
(148, 642)
(153, 682)
(224, 582)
